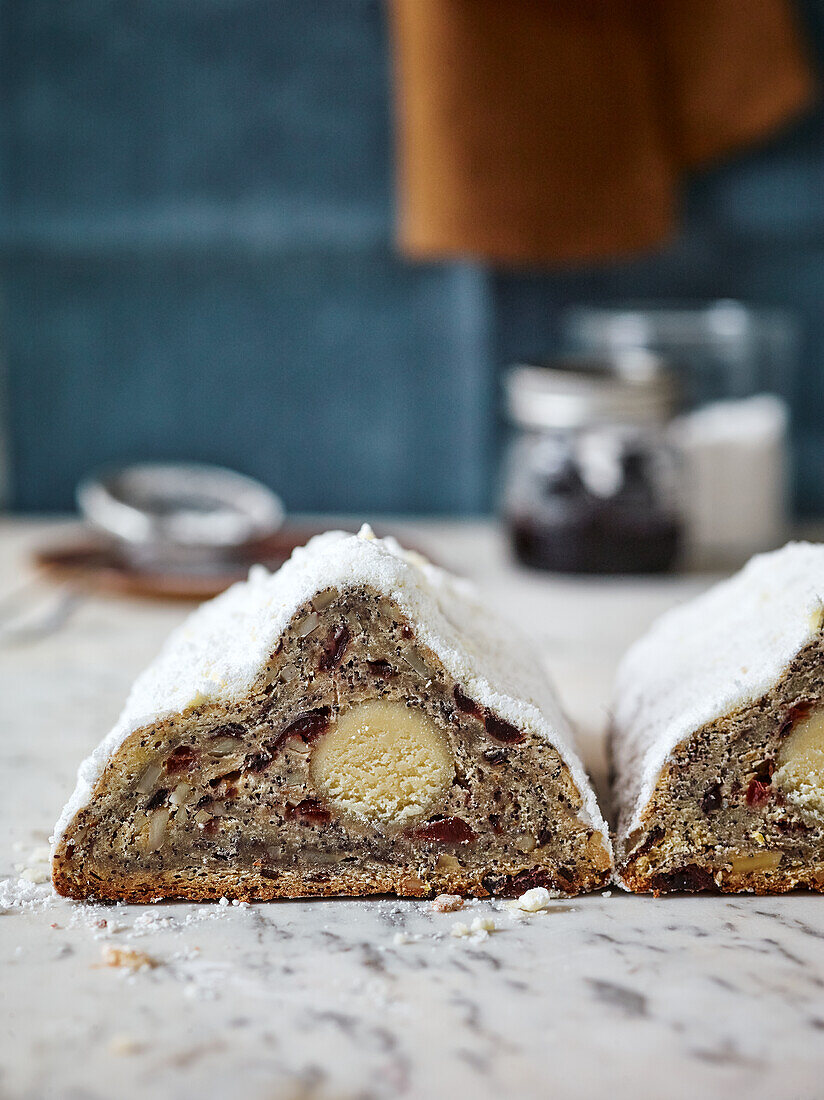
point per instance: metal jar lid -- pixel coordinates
(627, 387)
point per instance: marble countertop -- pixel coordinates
(676, 997)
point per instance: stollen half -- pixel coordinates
(717, 738)
(356, 723)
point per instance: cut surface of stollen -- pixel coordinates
(356, 723)
(717, 738)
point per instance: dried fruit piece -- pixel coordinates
(307, 726)
(690, 879)
(465, 704)
(310, 811)
(334, 648)
(445, 830)
(711, 799)
(758, 793)
(181, 759)
(495, 757)
(502, 731)
(382, 669)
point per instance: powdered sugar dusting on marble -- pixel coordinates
(703, 660)
(219, 652)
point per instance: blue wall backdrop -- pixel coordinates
(196, 260)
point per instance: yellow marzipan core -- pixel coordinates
(801, 765)
(382, 761)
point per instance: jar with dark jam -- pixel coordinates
(590, 480)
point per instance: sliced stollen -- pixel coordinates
(355, 723)
(717, 738)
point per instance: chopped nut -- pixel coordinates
(157, 829)
(413, 658)
(220, 746)
(448, 864)
(180, 794)
(128, 958)
(446, 903)
(324, 599)
(149, 777)
(526, 843)
(759, 861)
(307, 625)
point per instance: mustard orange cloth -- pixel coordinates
(539, 131)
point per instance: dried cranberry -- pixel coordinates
(382, 669)
(407, 631)
(334, 648)
(181, 759)
(711, 799)
(512, 886)
(690, 879)
(445, 830)
(758, 793)
(464, 703)
(310, 811)
(764, 771)
(502, 731)
(307, 726)
(793, 715)
(495, 822)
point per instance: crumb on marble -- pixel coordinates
(128, 958)
(124, 1045)
(446, 903)
(533, 901)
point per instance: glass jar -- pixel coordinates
(589, 482)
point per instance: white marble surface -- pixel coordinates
(680, 997)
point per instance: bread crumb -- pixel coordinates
(483, 924)
(401, 938)
(460, 929)
(606, 894)
(446, 903)
(533, 901)
(128, 958)
(124, 1044)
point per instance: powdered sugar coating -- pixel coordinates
(219, 652)
(705, 659)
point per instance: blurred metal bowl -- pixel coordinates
(177, 514)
